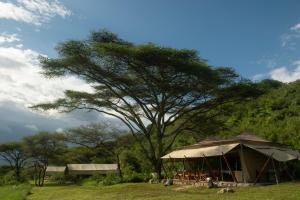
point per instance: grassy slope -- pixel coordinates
(14, 192)
(287, 191)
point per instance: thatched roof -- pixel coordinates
(92, 167)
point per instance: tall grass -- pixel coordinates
(14, 192)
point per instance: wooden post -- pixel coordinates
(275, 173)
(263, 169)
(231, 172)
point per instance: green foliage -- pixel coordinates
(16, 192)
(111, 179)
(10, 178)
(134, 177)
(275, 115)
(58, 178)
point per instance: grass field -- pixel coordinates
(285, 191)
(14, 192)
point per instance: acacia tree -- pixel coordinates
(153, 90)
(42, 148)
(98, 138)
(92, 136)
(15, 155)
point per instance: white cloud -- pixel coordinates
(289, 39)
(8, 38)
(34, 12)
(284, 75)
(259, 77)
(295, 27)
(21, 81)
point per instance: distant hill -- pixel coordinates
(275, 115)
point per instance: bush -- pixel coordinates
(58, 178)
(135, 177)
(102, 179)
(10, 179)
(16, 192)
(111, 179)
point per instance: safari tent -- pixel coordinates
(90, 169)
(242, 159)
(52, 170)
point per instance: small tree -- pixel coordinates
(15, 155)
(97, 138)
(43, 148)
(153, 90)
(92, 136)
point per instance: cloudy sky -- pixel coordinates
(260, 39)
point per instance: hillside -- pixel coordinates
(275, 115)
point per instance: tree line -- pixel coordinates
(92, 143)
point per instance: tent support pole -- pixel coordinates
(208, 165)
(202, 167)
(231, 172)
(275, 172)
(263, 169)
(242, 159)
(221, 168)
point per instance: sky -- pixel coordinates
(259, 39)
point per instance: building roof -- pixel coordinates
(92, 167)
(215, 147)
(55, 169)
(244, 138)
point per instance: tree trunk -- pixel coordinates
(35, 175)
(17, 171)
(119, 165)
(43, 174)
(158, 167)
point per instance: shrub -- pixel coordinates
(8, 179)
(58, 178)
(135, 177)
(111, 179)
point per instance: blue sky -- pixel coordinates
(245, 35)
(259, 39)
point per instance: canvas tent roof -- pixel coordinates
(55, 169)
(279, 154)
(214, 147)
(201, 152)
(92, 167)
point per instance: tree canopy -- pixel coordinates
(15, 154)
(149, 88)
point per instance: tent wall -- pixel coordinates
(251, 162)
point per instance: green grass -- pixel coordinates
(285, 191)
(14, 192)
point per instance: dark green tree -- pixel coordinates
(149, 88)
(44, 148)
(98, 138)
(15, 154)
